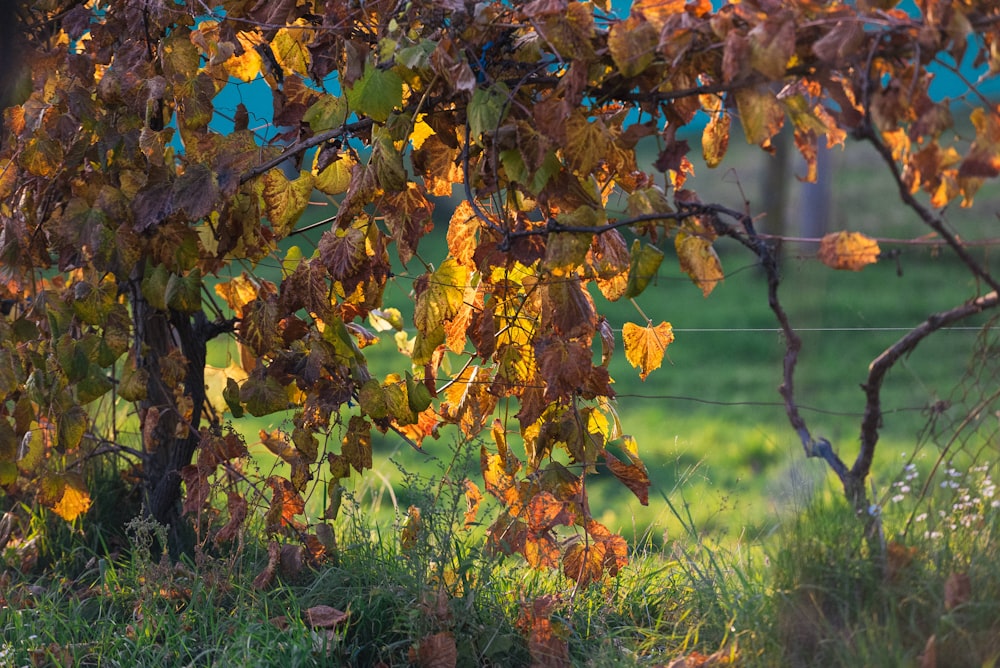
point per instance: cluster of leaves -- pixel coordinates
(120, 197)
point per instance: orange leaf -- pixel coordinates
(645, 346)
(410, 534)
(75, 500)
(633, 476)
(473, 497)
(848, 250)
(957, 590)
(715, 139)
(436, 651)
(584, 562)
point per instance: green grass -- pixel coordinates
(816, 592)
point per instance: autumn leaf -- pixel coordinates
(584, 562)
(848, 250)
(435, 651)
(412, 526)
(643, 264)
(715, 139)
(699, 260)
(75, 500)
(324, 617)
(645, 346)
(356, 445)
(284, 200)
(760, 113)
(633, 44)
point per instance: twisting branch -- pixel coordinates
(747, 235)
(877, 370)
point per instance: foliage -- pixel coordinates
(129, 199)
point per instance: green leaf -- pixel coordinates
(32, 451)
(417, 394)
(72, 425)
(95, 385)
(486, 109)
(183, 293)
(263, 396)
(328, 112)
(231, 395)
(134, 383)
(645, 261)
(376, 93)
(154, 287)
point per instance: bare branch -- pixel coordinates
(877, 370)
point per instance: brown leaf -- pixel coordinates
(633, 476)
(237, 507)
(324, 617)
(545, 645)
(473, 497)
(436, 651)
(266, 576)
(356, 446)
(291, 561)
(409, 537)
(928, 658)
(957, 590)
(848, 250)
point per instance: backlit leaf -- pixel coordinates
(584, 562)
(715, 139)
(643, 264)
(848, 250)
(263, 395)
(645, 346)
(356, 446)
(75, 499)
(328, 112)
(284, 200)
(699, 260)
(760, 113)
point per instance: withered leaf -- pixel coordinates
(848, 250)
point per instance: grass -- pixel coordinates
(817, 592)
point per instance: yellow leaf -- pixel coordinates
(290, 48)
(335, 177)
(245, 66)
(715, 139)
(848, 250)
(75, 500)
(699, 261)
(286, 200)
(645, 346)
(421, 131)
